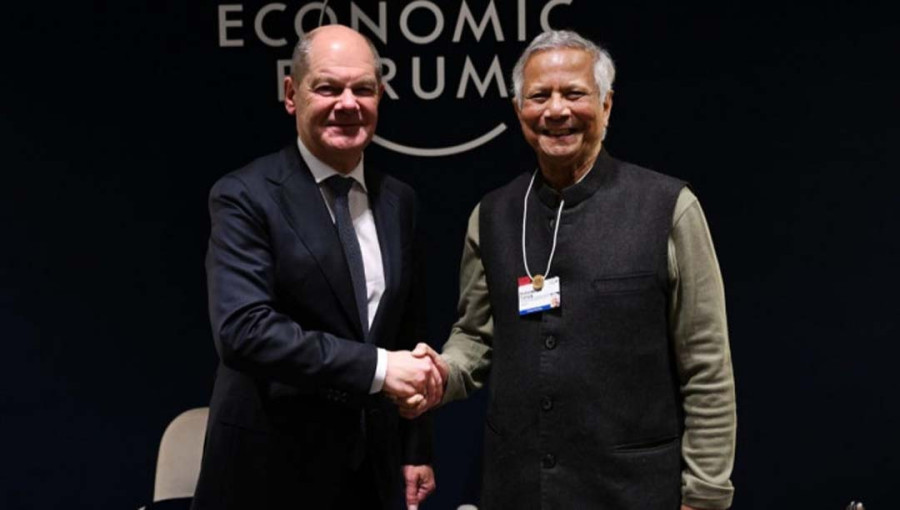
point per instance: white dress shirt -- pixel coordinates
(366, 234)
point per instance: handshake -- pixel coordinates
(415, 380)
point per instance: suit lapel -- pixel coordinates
(301, 203)
(384, 208)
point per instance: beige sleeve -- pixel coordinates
(699, 329)
(468, 350)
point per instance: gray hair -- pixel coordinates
(300, 57)
(604, 69)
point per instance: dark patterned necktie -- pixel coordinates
(340, 187)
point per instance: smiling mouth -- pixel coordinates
(557, 133)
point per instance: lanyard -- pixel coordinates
(538, 280)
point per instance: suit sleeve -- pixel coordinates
(700, 333)
(468, 350)
(251, 334)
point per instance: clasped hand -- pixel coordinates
(415, 379)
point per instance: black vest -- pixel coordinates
(584, 408)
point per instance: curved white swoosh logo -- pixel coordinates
(441, 151)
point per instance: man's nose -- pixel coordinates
(347, 100)
(557, 106)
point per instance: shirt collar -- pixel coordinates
(321, 171)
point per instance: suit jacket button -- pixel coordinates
(550, 343)
(548, 461)
(546, 404)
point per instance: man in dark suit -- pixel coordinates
(311, 298)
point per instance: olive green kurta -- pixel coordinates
(698, 327)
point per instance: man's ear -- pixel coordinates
(290, 99)
(607, 104)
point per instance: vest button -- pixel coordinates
(550, 343)
(548, 461)
(546, 404)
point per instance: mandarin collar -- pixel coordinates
(580, 191)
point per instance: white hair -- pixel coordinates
(604, 69)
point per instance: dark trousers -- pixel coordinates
(358, 490)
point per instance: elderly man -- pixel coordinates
(591, 294)
(311, 292)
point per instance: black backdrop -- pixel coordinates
(118, 116)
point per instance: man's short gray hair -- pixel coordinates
(300, 57)
(604, 69)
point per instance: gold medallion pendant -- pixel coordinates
(538, 282)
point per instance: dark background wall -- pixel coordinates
(118, 116)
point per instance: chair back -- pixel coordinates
(180, 451)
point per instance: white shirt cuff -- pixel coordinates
(380, 372)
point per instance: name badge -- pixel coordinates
(531, 300)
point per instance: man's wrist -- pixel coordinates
(380, 372)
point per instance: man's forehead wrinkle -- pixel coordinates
(331, 76)
(344, 65)
(568, 82)
(559, 57)
(556, 57)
